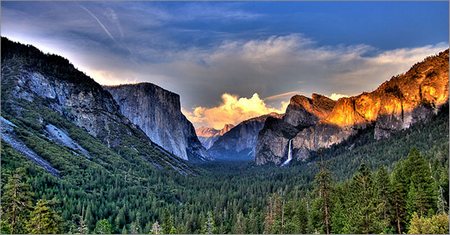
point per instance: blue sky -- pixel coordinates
(203, 50)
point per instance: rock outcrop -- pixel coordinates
(32, 80)
(208, 135)
(158, 113)
(320, 122)
(239, 143)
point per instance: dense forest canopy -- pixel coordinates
(407, 192)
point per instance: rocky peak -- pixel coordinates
(240, 141)
(320, 122)
(226, 128)
(208, 135)
(206, 131)
(304, 111)
(211, 132)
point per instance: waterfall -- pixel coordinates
(289, 154)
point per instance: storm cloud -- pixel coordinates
(216, 54)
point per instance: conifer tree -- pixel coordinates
(239, 226)
(103, 227)
(16, 202)
(426, 190)
(398, 199)
(437, 224)
(43, 219)
(272, 220)
(383, 187)
(156, 228)
(364, 215)
(168, 226)
(323, 184)
(209, 226)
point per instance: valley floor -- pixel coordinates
(400, 188)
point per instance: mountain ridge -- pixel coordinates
(208, 135)
(41, 90)
(239, 143)
(396, 104)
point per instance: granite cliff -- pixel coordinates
(239, 143)
(158, 113)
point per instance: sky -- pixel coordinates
(231, 61)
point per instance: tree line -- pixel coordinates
(406, 200)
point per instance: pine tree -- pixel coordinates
(89, 218)
(44, 220)
(209, 226)
(338, 217)
(16, 202)
(323, 190)
(364, 214)
(120, 218)
(103, 227)
(79, 220)
(124, 230)
(383, 187)
(239, 226)
(398, 198)
(168, 225)
(437, 224)
(135, 227)
(414, 183)
(273, 218)
(411, 200)
(156, 228)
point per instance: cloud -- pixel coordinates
(336, 96)
(281, 64)
(232, 110)
(202, 51)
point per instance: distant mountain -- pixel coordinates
(208, 135)
(318, 122)
(239, 143)
(158, 113)
(49, 105)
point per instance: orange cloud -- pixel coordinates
(336, 96)
(232, 110)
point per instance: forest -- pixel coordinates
(395, 188)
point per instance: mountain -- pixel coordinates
(208, 135)
(239, 143)
(318, 122)
(46, 101)
(158, 113)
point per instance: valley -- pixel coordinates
(125, 159)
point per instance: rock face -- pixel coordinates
(33, 80)
(208, 136)
(320, 122)
(303, 111)
(87, 105)
(158, 113)
(239, 143)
